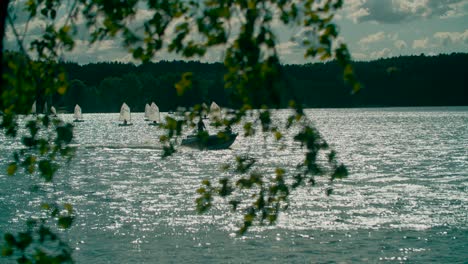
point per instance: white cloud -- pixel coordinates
(450, 38)
(358, 14)
(421, 43)
(373, 46)
(393, 36)
(385, 52)
(456, 9)
(359, 56)
(379, 36)
(397, 11)
(400, 44)
(287, 47)
(353, 9)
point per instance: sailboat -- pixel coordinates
(147, 110)
(125, 115)
(45, 109)
(53, 111)
(77, 115)
(215, 112)
(222, 140)
(204, 109)
(154, 115)
(33, 108)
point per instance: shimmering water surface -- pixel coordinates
(406, 199)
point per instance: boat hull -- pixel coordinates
(213, 142)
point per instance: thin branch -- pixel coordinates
(26, 28)
(70, 17)
(3, 14)
(18, 39)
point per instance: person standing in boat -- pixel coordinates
(201, 126)
(228, 129)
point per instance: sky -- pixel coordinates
(372, 29)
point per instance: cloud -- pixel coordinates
(393, 36)
(386, 52)
(359, 56)
(400, 44)
(397, 11)
(288, 47)
(356, 15)
(451, 38)
(421, 43)
(379, 36)
(456, 9)
(380, 44)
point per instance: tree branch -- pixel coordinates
(3, 15)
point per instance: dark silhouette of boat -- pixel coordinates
(124, 125)
(210, 142)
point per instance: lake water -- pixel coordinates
(406, 199)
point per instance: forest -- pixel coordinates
(400, 81)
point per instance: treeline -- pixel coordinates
(400, 81)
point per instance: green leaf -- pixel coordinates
(24, 240)
(10, 239)
(340, 172)
(47, 169)
(184, 84)
(65, 221)
(68, 207)
(12, 167)
(7, 251)
(65, 133)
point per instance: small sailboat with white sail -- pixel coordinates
(125, 115)
(204, 109)
(215, 112)
(77, 115)
(33, 108)
(154, 115)
(53, 111)
(147, 110)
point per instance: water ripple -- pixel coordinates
(405, 200)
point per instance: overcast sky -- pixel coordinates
(372, 29)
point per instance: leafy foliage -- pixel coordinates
(39, 243)
(243, 28)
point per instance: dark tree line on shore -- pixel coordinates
(401, 81)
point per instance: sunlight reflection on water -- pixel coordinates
(408, 182)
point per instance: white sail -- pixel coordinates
(33, 108)
(53, 111)
(215, 111)
(147, 110)
(45, 110)
(77, 113)
(154, 114)
(124, 105)
(125, 113)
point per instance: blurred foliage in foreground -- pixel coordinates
(243, 29)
